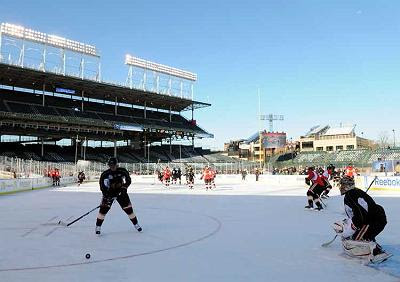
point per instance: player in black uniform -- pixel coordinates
(114, 183)
(190, 177)
(81, 177)
(366, 220)
(174, 175)
(179, 175)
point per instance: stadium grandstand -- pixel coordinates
(361, 158)
(50, 113)
(340, 146)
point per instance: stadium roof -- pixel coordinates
(253, 138)
(340, 130)
(34, 79)
(317, 129)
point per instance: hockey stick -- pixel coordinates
(371, 183)
(322, 201)
(330, 242)
(72, 222)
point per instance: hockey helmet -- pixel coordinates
(346, 184)
(112, 161)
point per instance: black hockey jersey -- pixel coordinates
(112, 182)
(362, 209)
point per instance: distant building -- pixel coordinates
(250, 149)
(326, 138)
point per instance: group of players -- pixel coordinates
(364, 218)
(167, 176)
(55, 175)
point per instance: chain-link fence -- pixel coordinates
(17, 168)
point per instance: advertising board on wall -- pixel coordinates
(273, 140)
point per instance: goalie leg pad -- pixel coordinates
(361, 249)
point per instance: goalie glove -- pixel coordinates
(345, 228)
(307, 181)
(338, 227)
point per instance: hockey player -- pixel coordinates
(350, 171)
(179, 175)
(316, 188)
(159, 175)
(190, 177)
(326, 176)
(257, 173)
(365, 221)
(174, 175)
(213, 175)
(244, 173)
(207, 177)
(114, 183)
(55, 175)
(167, 176)
(81, 177)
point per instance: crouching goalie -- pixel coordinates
(365, 221)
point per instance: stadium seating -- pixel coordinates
(61, 109)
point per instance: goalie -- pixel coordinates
(365, 221)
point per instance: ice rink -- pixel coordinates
(239, 231)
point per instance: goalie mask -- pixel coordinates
(346, 184)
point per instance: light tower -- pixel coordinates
(271, 119)
(180, 78)
(19, 34)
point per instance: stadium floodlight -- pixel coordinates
(47, 39)
(141, 63)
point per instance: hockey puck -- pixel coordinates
(87, 256)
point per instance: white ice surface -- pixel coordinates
(238, 232)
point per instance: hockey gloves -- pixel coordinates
(345, 228)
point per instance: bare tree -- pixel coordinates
(383, 139)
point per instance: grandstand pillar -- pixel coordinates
(82, 66)
(144, 145)
(116, 102)
(83, 92)
(170, 115)
(145, 104)
(99, 71)
(44, 58)
(64, 58)
(144, 80)
(76, 149)
(181, 89)
(169, 85)
(192, 111)
(84, 150)
(22, 54)
(43, 100)
(170, 144)
(115, 148)
(42, 151)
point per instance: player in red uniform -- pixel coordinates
(167, 176)
(317, 186)
(350, 171)
(207, 176)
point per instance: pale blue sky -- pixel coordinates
(314, 61)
